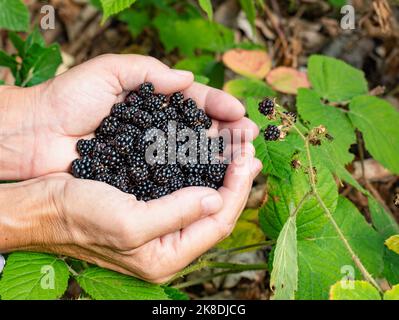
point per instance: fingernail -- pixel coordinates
(211, 204)
(182, 72)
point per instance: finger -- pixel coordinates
(243, 130)
(174, 212)
(132, 70)
(216, 103)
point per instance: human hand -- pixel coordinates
(69, 107)
(95, 222)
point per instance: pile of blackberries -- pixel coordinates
(152, 145)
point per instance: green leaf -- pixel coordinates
(14, 15)
(39, 65)
(197, 64)
(111, 7)
(136, 20)
(175, 294)
(391, 266)
(284, 194)
(33, 276)
(335, 80)
(337, 3)
(392, 294)
(18, 43)
(335, 120)
(377, 120)
(102, 284)
(201, 79)
(354, 290)
(249, 8)
(383, 221)
(8, 61)
(323, 260)
(245, 232)
(393, 243)
(244, 88)
(190, 34)
(206, 5)
(284, 276)
(2, 82)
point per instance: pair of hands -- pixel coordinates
(93, 221)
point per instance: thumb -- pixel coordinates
(176, 211)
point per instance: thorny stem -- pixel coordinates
(366, 275)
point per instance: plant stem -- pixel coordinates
(312, 179)
(233, 268)
(238, 249)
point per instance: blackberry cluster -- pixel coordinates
(266, 107)
(272, 133)
(133, 152)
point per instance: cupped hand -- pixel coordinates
(72, 105)
(152, 240)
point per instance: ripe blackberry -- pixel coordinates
(196, 169)
(85, 147)
(194, 181)
(176, 99)
(124, 143)
(176, 183)
(111, 158)
(160, 191)
(153, 104)
(171, 113)
(162, 97)
(266, 106)
(216, 172)
(212, 185)
(143, 190)
(142, 119)
(138, 172)
(159, 117)
(130, 130)
(82, 168)
(133, 98)
(120, 181)
(272, 133)
(109, 126)
(166, 173)
(118, 110)
(146, 90)
(216, 145)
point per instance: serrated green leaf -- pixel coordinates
(354, 290)
(323, 260)
(33, 276)
(111, 7)
(14, 15)
(190, 34)
(286, 193)
(335, 80)
(377, 120)
(392, 294)
(335, 120)
(245, 232)
(391, 266)
(136, 20)
(393, 243)
(206, 5)
(249, 8)
(383, 221)
(284, 276)
(102, 284)
(244, 88)
(39, 65)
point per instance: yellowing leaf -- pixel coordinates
(392, 294)
(353, 290)
(287, 80)
(393, 243)
(249, 63)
